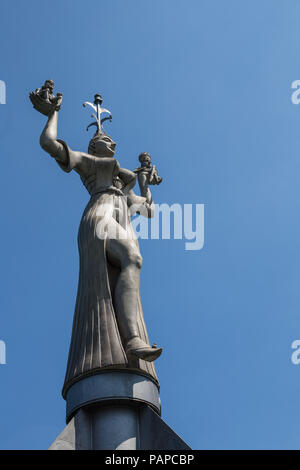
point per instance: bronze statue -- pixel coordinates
(108, 328)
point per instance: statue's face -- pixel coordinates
(50, 85)
(146, 160)
(105, 147)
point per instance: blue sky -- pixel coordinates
(205, 88)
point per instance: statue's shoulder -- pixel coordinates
(88, 156)
(84, 161)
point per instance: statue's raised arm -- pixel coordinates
(49, 142)
(46, 103)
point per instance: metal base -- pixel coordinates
(117, 387)
(116, 411)
(118, 427)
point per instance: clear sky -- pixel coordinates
(205, 87)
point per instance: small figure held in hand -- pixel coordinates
(148, 169)
(147, 175)
(44, 100)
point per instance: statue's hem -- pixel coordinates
(102, 370)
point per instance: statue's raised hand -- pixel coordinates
(43, 99)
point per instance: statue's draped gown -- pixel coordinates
(96, 344)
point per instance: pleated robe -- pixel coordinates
(96, 344)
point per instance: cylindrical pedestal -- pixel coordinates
(115, 387)
(116, 410)
(115, 427)
(107, 427)
(106, 409)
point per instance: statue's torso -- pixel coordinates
(97, 174)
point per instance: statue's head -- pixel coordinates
(50, 85)
(145, 159)
(101, 145)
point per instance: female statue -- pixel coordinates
(108, 328)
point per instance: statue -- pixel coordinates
(108, 328)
